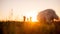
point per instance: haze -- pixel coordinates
(27, 8)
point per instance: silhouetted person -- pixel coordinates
(27, 19)
(47, 16)
(24, 18)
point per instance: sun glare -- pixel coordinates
(33, 15)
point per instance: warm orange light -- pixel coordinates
(33, 15)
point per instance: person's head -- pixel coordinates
(47, 14)
(56, 17)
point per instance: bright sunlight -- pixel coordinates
(33, 15)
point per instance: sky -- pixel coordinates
(20, 8)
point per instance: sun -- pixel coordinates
(33, 15)
(34, 18)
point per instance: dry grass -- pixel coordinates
(15, 27)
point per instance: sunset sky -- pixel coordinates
(26, 8)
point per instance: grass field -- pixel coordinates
(16, 27)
